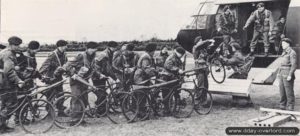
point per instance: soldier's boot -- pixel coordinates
(6, 129)
(290, 108)
(282, 107)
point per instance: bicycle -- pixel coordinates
(202, 97)
(180, 101)
(110, 105)
(33, 113)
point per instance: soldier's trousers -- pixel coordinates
(264, 36)
(77, 90)
(286, 89)
(101, 94)
(202, 83)
(55, 92)
(8, 104)
(166, 95)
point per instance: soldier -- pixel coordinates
(51, 71)
(278, 32)
(82, 66)
(225, 48)
(286, 75)
(200, 56)
(227, 23)
(28, 65)
(263, 26)
(125, 64)
(9, 81)
(161, 58)
(173, 66)
(145, 65)
(28, 68)
(103, 64)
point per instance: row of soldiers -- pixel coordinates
(19, 69)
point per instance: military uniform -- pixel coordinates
(103, 65)
(200, 56)
(287, 68)
(278, 30)
(161, 58)
(145, 68)
(8, 83)
(227, 23)
(82, 65)
(28, 69)
(226, 50)
(50, 75)
(125, 68)
(263, 24)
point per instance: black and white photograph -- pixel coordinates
(149, 67)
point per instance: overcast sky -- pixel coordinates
(97, 20)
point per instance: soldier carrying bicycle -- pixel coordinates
(27, 68)
(82, 66)
(9, 81)
(173, 67)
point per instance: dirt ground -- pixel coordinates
(222, 116)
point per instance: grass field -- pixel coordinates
(222, 116)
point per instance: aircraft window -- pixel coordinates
(199, 22)
(208, 9)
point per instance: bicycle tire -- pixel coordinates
(217, 66)
(67, 119)
(114, 109)
(30, 123)
(203, 107)
(179, 106)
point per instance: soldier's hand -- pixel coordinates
(211, 40)
(21, 84)
(235, 31)
(289, 78)
(245, 27)
(282, 36)
(180, 71)
(270, 33)
(219, 29)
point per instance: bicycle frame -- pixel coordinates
(28, 97)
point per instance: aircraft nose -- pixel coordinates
(186, 39)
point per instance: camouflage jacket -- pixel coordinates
(263, 22)
(27, 66)
(228, 22)
(55, 59)
(173, 64)
(200, 54)
(8, 74)
(80, 62)
(103, 64)
(145, 68)
(161, 58)
(119, 63)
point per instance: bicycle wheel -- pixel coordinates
(114, 108)
(136, 106)
(72, 114)
(203, 101)
(37, 116)
(181, 103)
(217, 70)
(53, 97)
